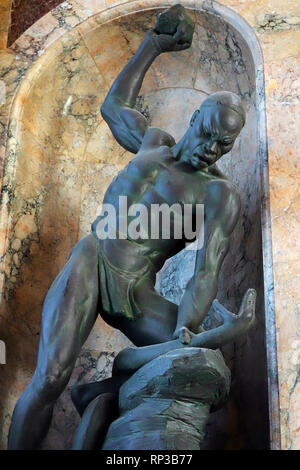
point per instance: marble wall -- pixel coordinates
(5, 13)
(50, 211)
(277, 25)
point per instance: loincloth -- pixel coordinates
(117, 285)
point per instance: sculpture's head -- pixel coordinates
(214, 128)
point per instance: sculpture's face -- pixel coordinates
(212, 133)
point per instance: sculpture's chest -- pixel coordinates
(160, 172)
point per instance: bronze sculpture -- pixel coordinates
(115, 277)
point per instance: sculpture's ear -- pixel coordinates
(194, 117)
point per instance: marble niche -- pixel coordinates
(60, 158)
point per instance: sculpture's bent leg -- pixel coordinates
(95, 422)
(129, 360)
(69, 312)
(83, 394)
(157, 322)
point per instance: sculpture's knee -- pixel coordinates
(49, 384)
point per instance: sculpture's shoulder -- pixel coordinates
(155, 137)
(223, 198)
(221, 186)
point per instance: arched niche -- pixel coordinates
(60, 159)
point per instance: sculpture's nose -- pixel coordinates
(212, 147)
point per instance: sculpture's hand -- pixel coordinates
(168, 42)
(174, 30)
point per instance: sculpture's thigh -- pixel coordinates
(69, 313)
(158, 320)
(95, 422)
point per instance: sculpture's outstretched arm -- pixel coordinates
(131, 359)
(233, 325)
(127, 124)
(221, 211)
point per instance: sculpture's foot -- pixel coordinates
(233, 325)
(185, 336)
(246, 313)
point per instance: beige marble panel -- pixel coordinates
(256, 11)
(111, 45)
(87, 8)
(279, 45)
(277, 24)
(5, 9)
(283, 112)
(62, 117)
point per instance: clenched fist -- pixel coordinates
(173, 31)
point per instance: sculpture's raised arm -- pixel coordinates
(127, 124)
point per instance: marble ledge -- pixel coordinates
(67, 16)
(54, 24)
(73, 12)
